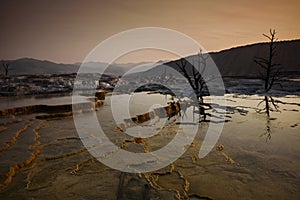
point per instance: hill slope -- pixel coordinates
(238, 61)
(34, 66)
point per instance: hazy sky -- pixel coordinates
(67, 30)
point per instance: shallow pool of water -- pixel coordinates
(257, 157)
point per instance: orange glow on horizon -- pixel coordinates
(66, 31)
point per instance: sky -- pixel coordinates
(66, 31)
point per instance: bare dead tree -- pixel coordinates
(5, 66)
(270, 71)
(195, 77)
(193, 72)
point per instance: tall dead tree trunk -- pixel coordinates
(5, 67)
(194, 75)
(270, 70)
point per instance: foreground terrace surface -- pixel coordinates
(44, 158)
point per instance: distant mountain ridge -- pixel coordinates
(34, 66)
(237, 61)
(24, 66)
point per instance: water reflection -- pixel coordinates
(267, 132)
(239, 162)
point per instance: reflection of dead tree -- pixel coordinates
(5, 66)
(267, 133)
(194, 75)
(270, 71)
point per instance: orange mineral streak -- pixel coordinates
(14, 169)
(14, 139)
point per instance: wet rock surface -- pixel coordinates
(45, 159)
